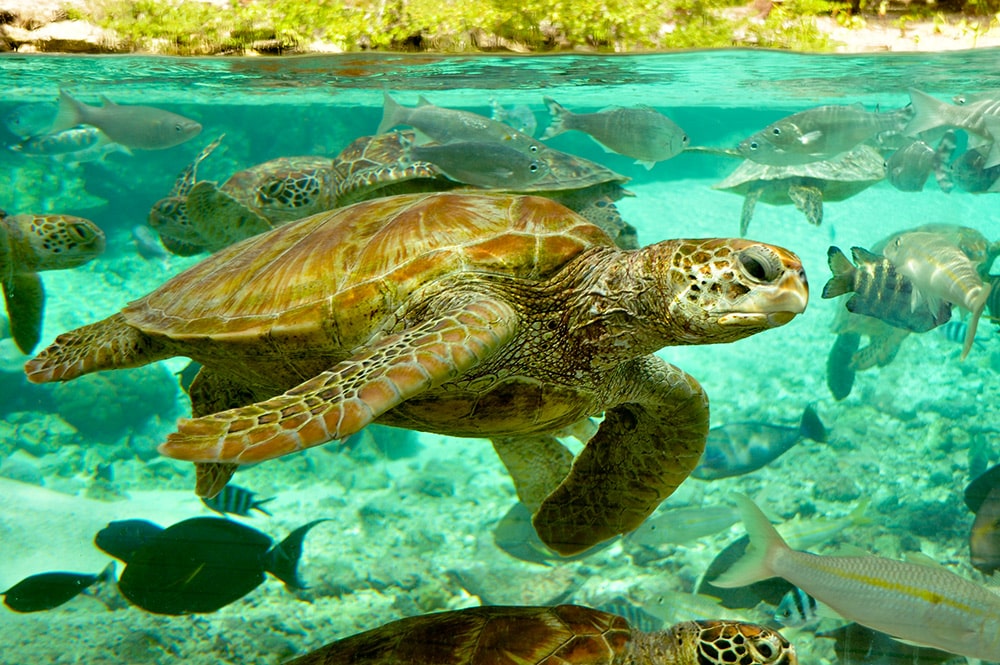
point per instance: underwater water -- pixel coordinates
(413, 520)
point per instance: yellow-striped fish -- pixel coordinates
(927, 605)
(941, 271)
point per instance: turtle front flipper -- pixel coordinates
(25, 298)
(536, 464)
(341, 401)
(219, 219)
(643, 451)
(109, 344)
(809, 200)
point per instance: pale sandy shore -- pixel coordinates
(40, 25)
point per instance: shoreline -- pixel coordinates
(44, 26)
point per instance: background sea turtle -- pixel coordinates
(30, 244)
(805, 185)
(275, 192)
(476, 315)
(568, 634)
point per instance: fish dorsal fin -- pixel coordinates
(107, 102)
(848, 549)
(423, 101)
(921, 559)
(861, 254)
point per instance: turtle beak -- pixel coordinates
(776, 303)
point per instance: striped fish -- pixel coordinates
(928, 605)
(236, 500)
(797, 608)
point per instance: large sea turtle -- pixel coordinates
(30, 244)
(564, 634)
(275, 192)
(805, 185)
(474, 315)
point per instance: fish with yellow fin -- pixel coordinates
(982, 496)
(941, 271)
(914, 602)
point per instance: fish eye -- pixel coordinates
(179, 127)
(754, 145)
(533, 167)
(776, 131)
(685, 140)
(760, 263)
(533, 147)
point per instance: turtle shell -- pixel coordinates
(566, 634)
(838, 178)
(341, 275)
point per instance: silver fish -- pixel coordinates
(682, 525)
(739, 448)
(147, 243)
(489, 165)
(61, 143)
(940, 271)
(969, 172)
(909, 166)
(980, 118)
(143, 127)
(30, 120)
(929, 605)
(451, 125)
(640, 132)
(520, 117)
(817, 134)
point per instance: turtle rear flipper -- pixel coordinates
(108, 344)
(219, 219)
(25, 298)
(341, 401)
(643, 451)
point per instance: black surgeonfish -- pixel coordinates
(739, 448)
(198, 565)
(982, 496)
(880, 291)
(857, 645)
(46, 591)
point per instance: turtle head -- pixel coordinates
(57, 242)
(719, 290)
(725, 642)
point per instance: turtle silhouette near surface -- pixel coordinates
(474, 315)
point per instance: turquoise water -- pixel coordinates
(412, 518)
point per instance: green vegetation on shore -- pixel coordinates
(190, 27)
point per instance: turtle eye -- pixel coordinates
(760, 263)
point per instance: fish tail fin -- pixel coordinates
(765, 544)
(282, 560)
(812, 427)
(258, 505)
(843, 273)
(393, 113)
(559, 115)
(977, 312)
(927, 112)
(942, 156)
(69, 114)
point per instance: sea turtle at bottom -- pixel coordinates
(474, 315)
(30, 244)
(805, 185)
(275, 192)
(560, 635)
